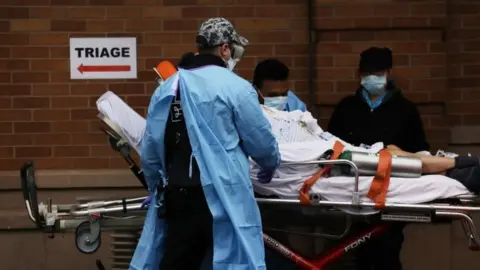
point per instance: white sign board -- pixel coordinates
(103, 58)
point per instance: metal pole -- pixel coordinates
(311, 58)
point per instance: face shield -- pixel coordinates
(164, 70)
(237, 54)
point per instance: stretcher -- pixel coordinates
(89, 218)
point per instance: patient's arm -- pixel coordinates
(430, 164)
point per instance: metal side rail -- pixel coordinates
(86, 219)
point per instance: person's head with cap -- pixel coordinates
(270, 78)
(374, 68)
(218, 36)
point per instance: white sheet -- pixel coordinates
(301, 139)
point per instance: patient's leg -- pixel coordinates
(430, 164)
(465, 169)
(435, 165)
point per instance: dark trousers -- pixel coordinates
(383, 251)
(273, 259)
(189, 229)
(469, 177)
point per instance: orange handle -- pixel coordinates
(165, 69)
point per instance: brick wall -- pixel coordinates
(464, 62)
(414, 32)
(49, 118)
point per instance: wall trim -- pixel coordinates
(68, 179)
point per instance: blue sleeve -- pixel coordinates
(150, 161)
(255, 131)
(302, 107)
(294, 103)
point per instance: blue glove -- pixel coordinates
(147, 201)
(265, 176)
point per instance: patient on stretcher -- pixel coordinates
(301, 140)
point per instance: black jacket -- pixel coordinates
(182, 168)
(396, 121)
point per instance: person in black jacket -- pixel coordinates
(378, 112)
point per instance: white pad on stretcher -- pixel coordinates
(300, 140)
(129, 121)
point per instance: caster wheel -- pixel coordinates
(82, 239)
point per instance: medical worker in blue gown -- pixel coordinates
(203, 124)
(270, 78)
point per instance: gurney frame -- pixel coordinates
(88, 219)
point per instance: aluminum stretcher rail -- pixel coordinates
(91, 217)
(87, 219)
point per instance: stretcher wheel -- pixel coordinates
(83, 240)
(29, 190)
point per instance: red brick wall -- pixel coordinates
(464, 62)
(410, 29)
(49, 118)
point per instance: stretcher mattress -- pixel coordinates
(301, 140)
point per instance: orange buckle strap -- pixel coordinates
(165, 70)
(381, 181)
(307, 185)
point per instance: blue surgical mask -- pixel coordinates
(279, 103)
(374, 84)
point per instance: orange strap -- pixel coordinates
(165, 69)
(307, 185)
(381, 181)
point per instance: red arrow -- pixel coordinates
(118, 68)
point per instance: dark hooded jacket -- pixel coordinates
(396, 121)
(182, 168)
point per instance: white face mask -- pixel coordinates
(236, 54)
(231, 63)
(279, 103)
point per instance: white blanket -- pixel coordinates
(301, 139)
